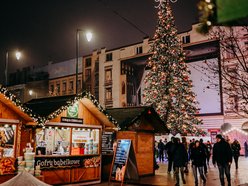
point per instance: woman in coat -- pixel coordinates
(236, 151)
(198, 158)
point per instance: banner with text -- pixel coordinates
(69, 161)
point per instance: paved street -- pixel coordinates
(239, 177)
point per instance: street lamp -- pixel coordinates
(31, 92)
(88, 36)
(18, 56)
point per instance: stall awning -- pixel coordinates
(13, 103)
(51, 107)
(128, 116)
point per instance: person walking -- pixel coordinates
(204, 147)
(185, 144)
(209, 151)
(170, 146)
(222, 155)
(180, 159)
(198, 159)
(246, 148)
(191, 146)
(165, 153)
(236, 151)
(161, 151)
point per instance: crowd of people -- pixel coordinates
(180, 154)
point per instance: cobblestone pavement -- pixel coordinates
(162, 178)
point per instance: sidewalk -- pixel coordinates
(239, 177)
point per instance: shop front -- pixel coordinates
(68, 153)
(68, 146)
(140, 125)
(13, 116)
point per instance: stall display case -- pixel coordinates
(7, 148)
(53, 141)
(72, 150)
(7, 140)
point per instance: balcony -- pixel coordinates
(108, 82)
(108, 102)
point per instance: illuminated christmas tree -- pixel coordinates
(167, 84)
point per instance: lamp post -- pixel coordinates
(88, 37)
(18, 56)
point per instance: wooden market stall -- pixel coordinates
(68, 146)
(13, 117)
(140, 125)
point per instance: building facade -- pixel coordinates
(116, 78)
(122, 71)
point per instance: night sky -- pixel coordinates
(45, 30)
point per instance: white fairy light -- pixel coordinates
(163, 1)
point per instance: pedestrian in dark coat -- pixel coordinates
(161, 150)
(180, 160)
(198, 160)
(169, 147)
(236, 151)
(205, 149)
(209, 151)
(246, 148)
(222, 155)
(186, 146)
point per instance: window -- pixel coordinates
(186, 39)
(108, 94)
(139, 50)
(64, 87)
(58, 88)
(88, 62)
(88, 75)
(79, 85)
(123, 88)
(52, 88)
(71, 85)
(108, 75)
(109, 57)
(122, 68)
(233, 102)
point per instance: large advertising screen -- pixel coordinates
(206, 85)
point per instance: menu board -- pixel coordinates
(124, 164)
(120, 160)
(107, 142)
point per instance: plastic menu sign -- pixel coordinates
(124, 164)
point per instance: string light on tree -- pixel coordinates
(167, 84)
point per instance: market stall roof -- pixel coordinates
(24, 179)
(13, 103)
(50, 107)
(128, 116)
